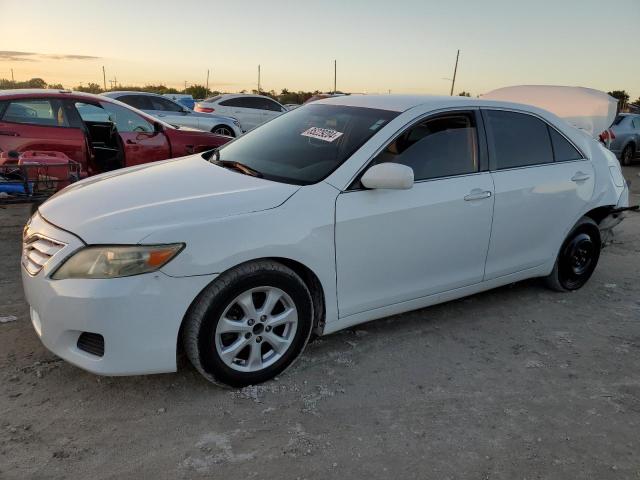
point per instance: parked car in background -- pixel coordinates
(624, 137)
(291, 106)
(100, 133)
(171, 112)
(337, 213)
(182, 99)
(250, 110)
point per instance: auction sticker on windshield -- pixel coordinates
(326, 134)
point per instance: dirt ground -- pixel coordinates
(516, 383)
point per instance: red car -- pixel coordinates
(100, 133)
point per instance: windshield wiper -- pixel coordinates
(241, 167)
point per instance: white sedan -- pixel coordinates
(250, 110)
(340, 212)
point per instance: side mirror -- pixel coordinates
(393, 176)
(158, 128)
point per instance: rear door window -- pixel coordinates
(517, 139)
(164, 105)
(141, 102)
(636, 123)
(242, 102)
(563, 151)
(45, 112)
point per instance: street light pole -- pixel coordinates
(258, 79)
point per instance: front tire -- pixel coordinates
(578, 257)
(626, 158)
(249, 325)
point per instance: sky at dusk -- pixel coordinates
(406, 46)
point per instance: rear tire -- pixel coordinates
(577, 258)
(223, 130)
(626, 158)
(249, 325)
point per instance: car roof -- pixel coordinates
(401, 103)
(226, 96)
(120, 93)
(45, 92)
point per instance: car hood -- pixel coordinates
(127, 205)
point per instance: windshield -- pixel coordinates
(305, 145)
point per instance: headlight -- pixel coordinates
(116, 261)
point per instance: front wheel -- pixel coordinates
(223, 130)
(577, 258)
(249, 325)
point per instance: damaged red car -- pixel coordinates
(99, 133)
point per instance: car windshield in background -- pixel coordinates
(307, 144)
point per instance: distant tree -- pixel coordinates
(90, 88)
(636, 102)
(35, 83)
(196, 91)
(464, 94)
(55, 86)
(6, 84)
(622, 96)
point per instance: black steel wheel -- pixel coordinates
(627, 155)
(577, 258)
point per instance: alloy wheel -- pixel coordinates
(223, 131)
(256, 329)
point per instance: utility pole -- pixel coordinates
(207, 81)
(12, 80)
(335, 76)
(455, 70)
(258, 79)
(104, 79)
(185, 84)
(113, 82)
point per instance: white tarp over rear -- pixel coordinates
(590, 110)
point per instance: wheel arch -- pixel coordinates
(599, 213)
(307, 275)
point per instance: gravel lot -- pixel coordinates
(515, 383)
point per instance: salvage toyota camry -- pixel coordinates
(342, 211)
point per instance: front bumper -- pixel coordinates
(139, 317)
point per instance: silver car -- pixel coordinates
(626, 144)
(172, 112)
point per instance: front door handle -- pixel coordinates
(580, 177)
(477, 194)
(131, 142)
(9, 134)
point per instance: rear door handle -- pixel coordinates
(580, 177)
(477, 194)
(9, 134)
